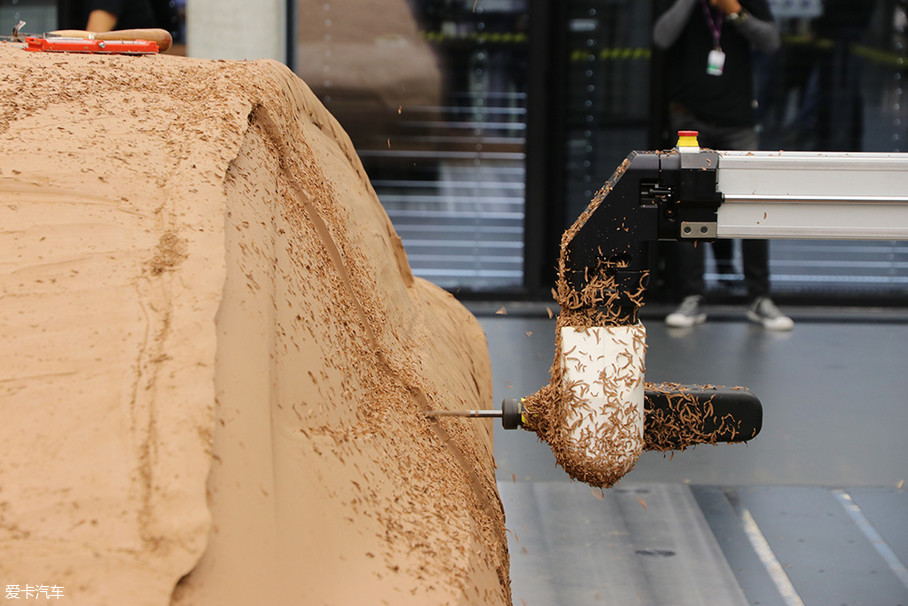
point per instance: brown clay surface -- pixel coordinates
(215, 358)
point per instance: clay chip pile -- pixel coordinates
(215, 358)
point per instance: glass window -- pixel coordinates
(433, 95)
(837, 84)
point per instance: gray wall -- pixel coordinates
(236, 29)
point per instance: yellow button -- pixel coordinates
(688, 138)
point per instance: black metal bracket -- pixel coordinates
(652, 196)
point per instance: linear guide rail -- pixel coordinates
(813, 195)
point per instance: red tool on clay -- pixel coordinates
(147, 41)
(88, 45)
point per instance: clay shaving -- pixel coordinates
(686, 422)
(216, 357)
(554, 410)
(549, 410)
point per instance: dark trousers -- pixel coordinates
(689, 261)
(688, 258)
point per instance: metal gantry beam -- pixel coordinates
(813, 195)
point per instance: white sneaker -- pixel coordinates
(765, 313)
(689, 313)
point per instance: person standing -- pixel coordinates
(709, 45)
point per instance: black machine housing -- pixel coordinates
(653, 196)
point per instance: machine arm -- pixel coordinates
(693, 194)
(597, 414)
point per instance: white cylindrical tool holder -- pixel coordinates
(603, 370)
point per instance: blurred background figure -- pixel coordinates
(709, 46)
(831, 112)
(107, 15)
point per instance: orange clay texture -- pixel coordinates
(215, 357)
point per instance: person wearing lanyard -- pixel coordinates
(709, 85)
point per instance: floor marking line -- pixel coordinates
(866, 527)
(770, 562)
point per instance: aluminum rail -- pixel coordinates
(813, 195)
